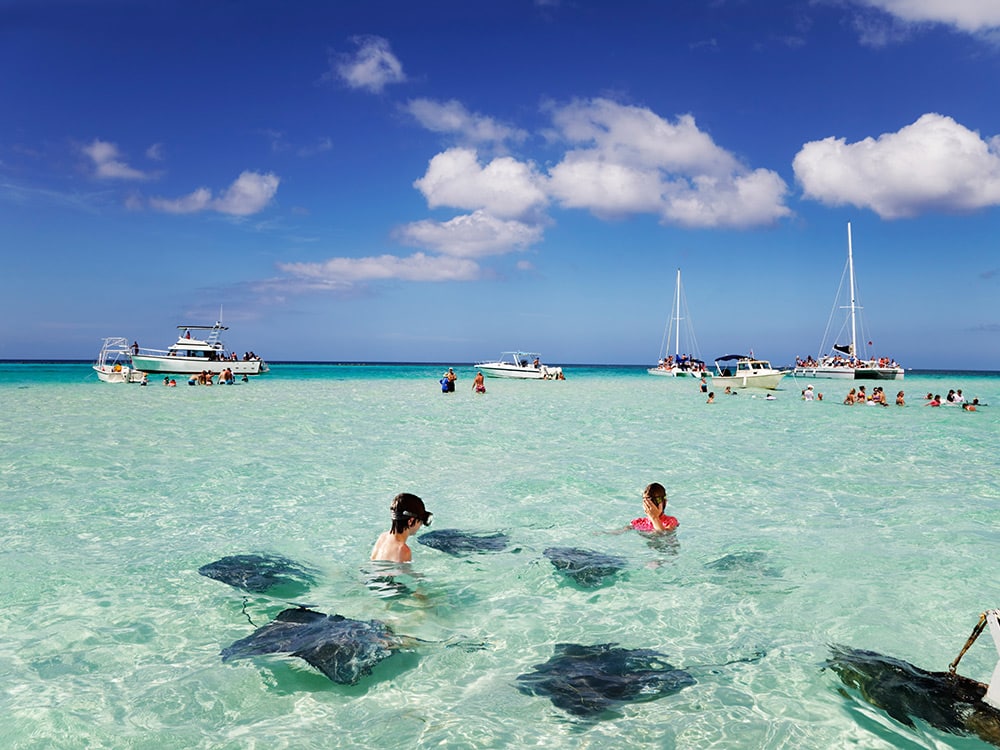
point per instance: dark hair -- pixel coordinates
(407, 508)
(655, 488)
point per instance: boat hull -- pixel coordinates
(674, 373)
(194, 365)
(121, 375)
(850, 373)
(768, 381)
(495, 370)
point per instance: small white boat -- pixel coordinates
(679, 365)
(748, 373)
(521, 366)
(842, 362)
(114, 362)
(191, 356)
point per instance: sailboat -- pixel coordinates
(679, 365)
(843, 361)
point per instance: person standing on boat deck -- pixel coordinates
(135, 347)
(654, 503)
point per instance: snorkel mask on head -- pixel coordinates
(424, 518)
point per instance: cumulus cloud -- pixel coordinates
(337, 273)
(971, 16)
(372, 67)
(630, 160)
(474, 235)
(248, 194)
(108, 163)
(454, 119)
(934, 164)
(504, 187)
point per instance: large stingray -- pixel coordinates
(588, 568)
(259, 574)
(457, 542)
(949, 702)
(591, 680)
(344, 650)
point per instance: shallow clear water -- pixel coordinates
(875, 528)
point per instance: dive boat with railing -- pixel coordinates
(191, 356)
(114, 362)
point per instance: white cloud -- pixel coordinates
(108, 163)
(248, 194)
(343, 272)
(155, 152)
(935, 164)
(505, 187)
(452, 117)
(474, 235)
(971, 16)
(372, 67)
(631, 160)
(199, 200)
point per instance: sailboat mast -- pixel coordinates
(677, 317)
(850, 271)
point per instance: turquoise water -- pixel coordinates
(875, 528)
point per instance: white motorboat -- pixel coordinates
(843, 361)
(677, 365)
(747, 373)
(114, 362)
(191, 356)
(521, 366)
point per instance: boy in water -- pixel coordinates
(654, 502)
(408, 515)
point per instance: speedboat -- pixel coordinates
(191, 356)
(519, 365)
(679, 365)
(114, 362)
(747, 373)
(844, 362)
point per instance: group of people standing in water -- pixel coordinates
(408, 515)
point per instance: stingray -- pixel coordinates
(344, 650)
(458, 543)
(588, 681)
(588, 568)
(261, 573)
(947, 701)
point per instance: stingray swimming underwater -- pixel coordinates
(457, 542)
(588, 568)
(587, 681)
(261, 573)
(947, 701)
(344, 650)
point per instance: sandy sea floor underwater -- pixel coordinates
(802, 524)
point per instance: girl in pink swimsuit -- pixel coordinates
(654, 502)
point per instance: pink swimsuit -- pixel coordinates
(644, 524)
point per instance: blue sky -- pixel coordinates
(440, 181)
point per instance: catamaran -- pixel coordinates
(843, 362)
(679, 365)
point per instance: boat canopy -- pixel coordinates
(731, 356)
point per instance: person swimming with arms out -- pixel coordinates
(654, 503)
(408, 516)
